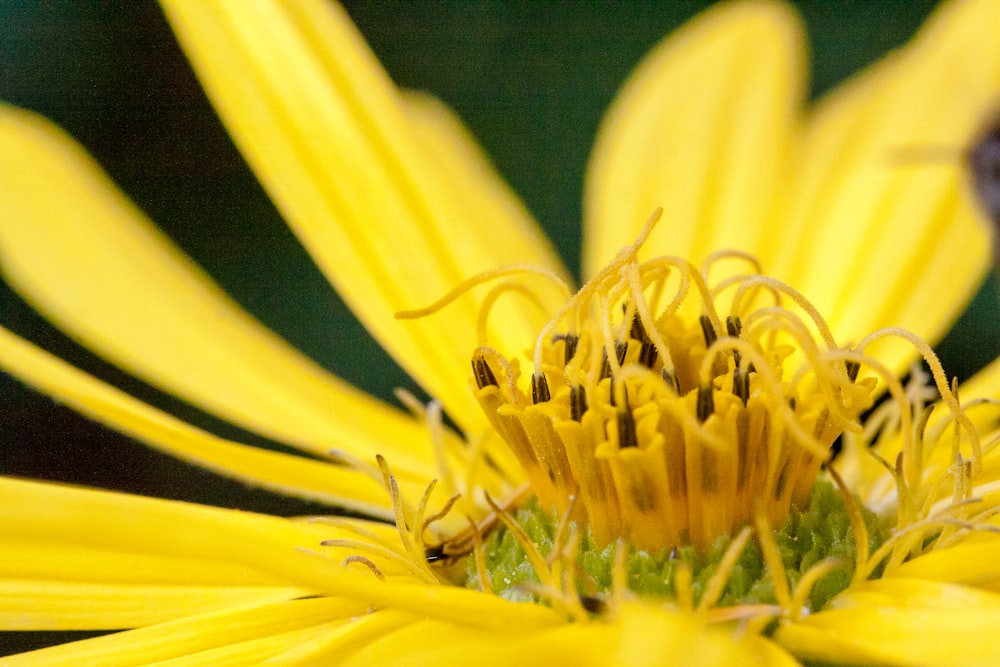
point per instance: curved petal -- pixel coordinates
(55, 560)
(81, 253)
(639, 635)
(283, 473)
(973, 562)
(29, 604)
(323, 128)
(252, 632)
(285, 549)
(702, 128)
(877, 232)
(900, 622)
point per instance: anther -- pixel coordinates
(626, 429)
(707, 330)
(569, 345)
(539, 388)
(706, 404)
(621, 349)
(647, 354)
(638, 331)
(483, 373)
(734, 326)
(577, 402)
(741, 385)
(671, 381)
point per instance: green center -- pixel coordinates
(821, 529)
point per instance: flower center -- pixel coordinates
(668, 409)
(820, 530)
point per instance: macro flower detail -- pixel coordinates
(717, 450)
(667, 430)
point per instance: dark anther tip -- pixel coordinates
(626, 429)
(706, 403)
(734, 327)
(483, 374)
(569, 345)
(741, 385)
(577, 402)
(707, 330)
(671, 380)
(647, 354)
(539, 388)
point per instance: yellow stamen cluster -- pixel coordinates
(671, 408)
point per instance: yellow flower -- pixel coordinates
(398, 209)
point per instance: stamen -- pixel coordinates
(626, 429)
(707, 330)
(772, 556)
(671, 380)
(748, 367)
(539, 389)
(647, 354)
(717, 583)
(797, 603)
(734, 326)
(741, 384)
(683, 588)
(621, 349)
(367, 563)
(570, 342)
(482, 373)
(577, 402)
(858, 528)
(706, 405)
(415, 568)
(637, 331)
(531, 551)
(479, 279)
(485, 584)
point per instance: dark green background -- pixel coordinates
(530, 79)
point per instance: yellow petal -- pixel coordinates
(292, 475)
(876, 235)
(81, 253)
(639, 635)
(324, 129)
(702, 128)
(342, 641)
(900, 622)
(287, 550)
(52, 559)
(201, 633)
(31, 604)
(974, 562)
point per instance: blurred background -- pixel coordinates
(531, 79)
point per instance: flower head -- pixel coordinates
(635, 471)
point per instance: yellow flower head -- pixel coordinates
(637, 471)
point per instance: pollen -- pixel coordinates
(669, 405)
